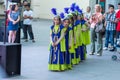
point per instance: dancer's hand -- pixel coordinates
(54, 44)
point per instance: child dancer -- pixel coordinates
(72, 49)
(85, 35)
(57, 47)
(76, 39)
(68, 42)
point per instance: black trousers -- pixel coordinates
(28, 30)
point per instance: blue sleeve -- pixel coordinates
(61, 27)
(83, 22)
(51, 27)
(70, 28)
(77, 22)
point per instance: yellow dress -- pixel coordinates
(76, 42)
(72, 49)
(86, 39)
(86, 35)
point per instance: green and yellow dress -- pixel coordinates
(68, 43)
(85, 37)
(76, 43)
(71, 43)
(57, 53)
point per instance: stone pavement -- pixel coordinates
(35, 61)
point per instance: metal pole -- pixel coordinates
(5, 32)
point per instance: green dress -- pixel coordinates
(85, 38)
(86, 35)
(76, 42)
(72, 49)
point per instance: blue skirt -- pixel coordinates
(56, 60)
(56, 56)
(12, 27)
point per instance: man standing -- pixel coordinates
(28, 16)
(110, 19)
(22, 8)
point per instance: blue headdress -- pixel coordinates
(78, 9)
(62, 15)
(66, 10)
(72, 7)
(54, 11)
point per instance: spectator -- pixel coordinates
(95, 19)
(118, 22)
(13, 23)
(110, 28)
(8, 11)
(87, 14)
(28, 16)
(22, 8)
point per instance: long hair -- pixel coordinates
(13, 7)
(58, 19)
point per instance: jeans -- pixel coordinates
(118, 34)
(28, 28)
(109, 37)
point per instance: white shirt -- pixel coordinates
(28, 13)
(87, 15)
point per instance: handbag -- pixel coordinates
(99, 28)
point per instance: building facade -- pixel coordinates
(104, 4)
(42, 8)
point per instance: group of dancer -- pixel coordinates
(69, 36)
